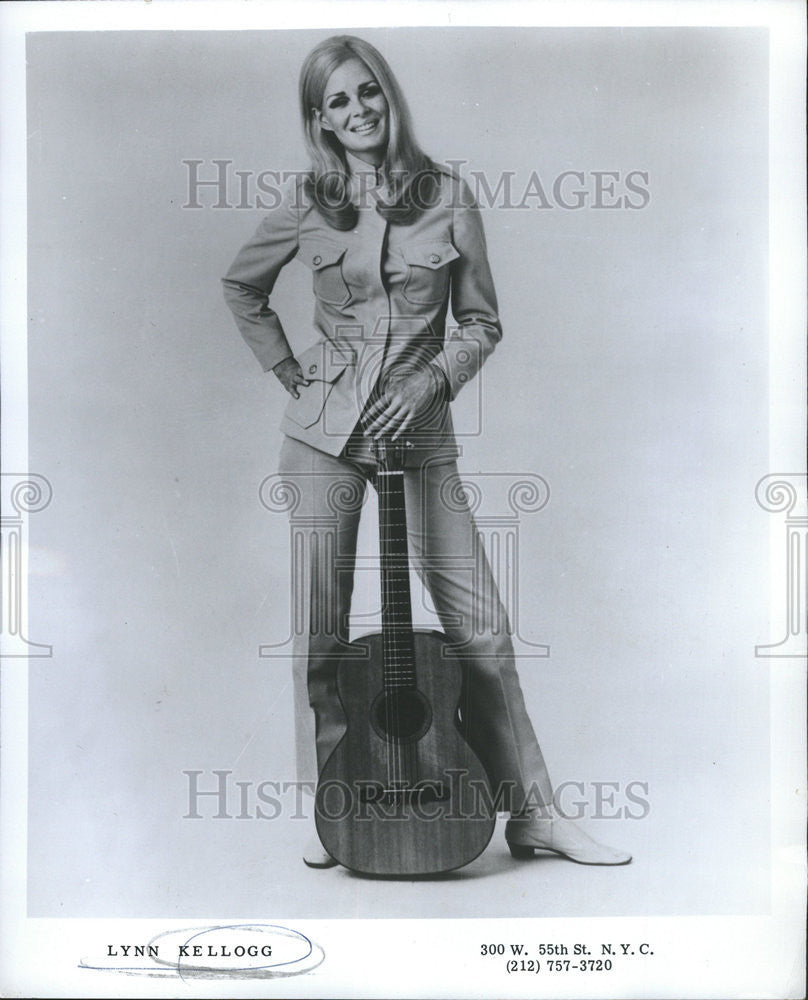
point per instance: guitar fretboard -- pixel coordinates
(399, 652)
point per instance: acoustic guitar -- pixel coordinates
(402, 793)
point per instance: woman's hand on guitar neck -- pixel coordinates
(408, 399)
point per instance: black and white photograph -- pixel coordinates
(404, 517)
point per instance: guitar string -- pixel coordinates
(387, 703)
(400, 645)
(388, 634)
(394, 631)
(390, 713)
(395, 636)
(399, 639)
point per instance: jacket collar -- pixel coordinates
(364, 178)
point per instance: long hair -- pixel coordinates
(410, 175)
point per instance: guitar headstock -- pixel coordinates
(389, 454)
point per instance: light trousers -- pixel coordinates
(326, 496)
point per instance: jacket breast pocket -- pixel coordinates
(322, 365)
(427, 280)
(325, 261)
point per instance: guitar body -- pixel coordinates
(403, 792)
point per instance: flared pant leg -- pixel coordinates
(326, 496)
(450, 558)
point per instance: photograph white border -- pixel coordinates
(695, 957)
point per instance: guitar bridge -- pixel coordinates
(402, 792)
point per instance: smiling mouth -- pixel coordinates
(365, 128)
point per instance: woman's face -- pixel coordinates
(355, 110)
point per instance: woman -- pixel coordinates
(392, 241)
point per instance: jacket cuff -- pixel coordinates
(459, 361)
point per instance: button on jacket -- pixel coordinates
(382, 292)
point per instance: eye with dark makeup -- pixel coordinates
(370, 89)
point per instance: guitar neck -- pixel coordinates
(399, 652)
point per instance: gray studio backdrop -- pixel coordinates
(632, 377)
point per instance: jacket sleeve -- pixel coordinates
(252, 276)
(473, 299)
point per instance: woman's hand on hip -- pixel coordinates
(406, 401)
(290, 375)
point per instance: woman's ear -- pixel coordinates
(317, 115)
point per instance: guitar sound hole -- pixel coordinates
(401, 716)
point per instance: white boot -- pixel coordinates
(531, 832)
(314, 854)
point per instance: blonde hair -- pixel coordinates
(405, 164)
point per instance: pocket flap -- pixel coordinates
(324, 361)
(317, 254)
(432, 255)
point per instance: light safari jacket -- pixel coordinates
(382, 293)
